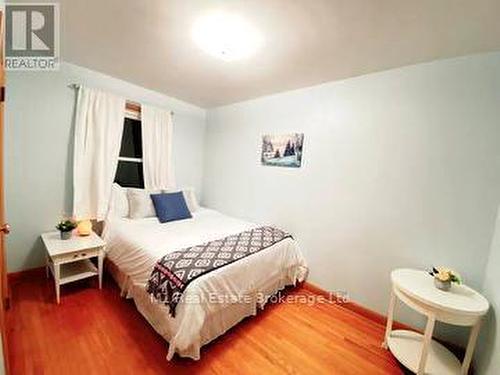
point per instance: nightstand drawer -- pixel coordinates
(77, 255)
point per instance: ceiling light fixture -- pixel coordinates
(225, 36)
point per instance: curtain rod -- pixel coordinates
(77, 86)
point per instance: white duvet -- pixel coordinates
(212, 303)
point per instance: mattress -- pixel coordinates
(212, 303)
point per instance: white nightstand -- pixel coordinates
(461, 306)
(69, 260)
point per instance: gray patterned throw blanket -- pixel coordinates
(173, 273)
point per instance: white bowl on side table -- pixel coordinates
(69, 260)
(460, 306)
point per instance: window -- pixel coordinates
(130, 172)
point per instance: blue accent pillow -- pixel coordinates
(170, 206)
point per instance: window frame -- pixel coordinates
(132, 114)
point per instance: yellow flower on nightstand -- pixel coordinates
(443, 275)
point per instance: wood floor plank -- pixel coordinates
(98, 332)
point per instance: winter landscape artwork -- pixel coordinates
(283, 150)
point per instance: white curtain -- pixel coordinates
(98, 134)
(157, 148)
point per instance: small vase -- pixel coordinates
(65, 235)
(442, 285)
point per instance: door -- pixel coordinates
(4, 228)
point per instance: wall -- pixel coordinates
(401, 169)
(38, 150)
(488, 361)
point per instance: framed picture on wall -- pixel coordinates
(283, 150)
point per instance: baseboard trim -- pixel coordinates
(19, 276)
(356, 308)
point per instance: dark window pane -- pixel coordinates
(130, 174)
(132, 139)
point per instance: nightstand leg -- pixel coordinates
(474, 333)
(100, 261)
(57, 276)
(390, 318)
(429, 329)
(47, 260)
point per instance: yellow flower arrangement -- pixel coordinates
(445, 275)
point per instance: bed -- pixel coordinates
(214, 302)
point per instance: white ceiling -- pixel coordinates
(306, 42)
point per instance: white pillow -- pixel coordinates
(189, 196)
(118, 204)
(140, 203)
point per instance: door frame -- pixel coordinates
(4, 301)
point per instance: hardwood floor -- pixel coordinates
(97, 332)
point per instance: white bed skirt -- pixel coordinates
(215, 323)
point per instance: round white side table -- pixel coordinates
(460, 305)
